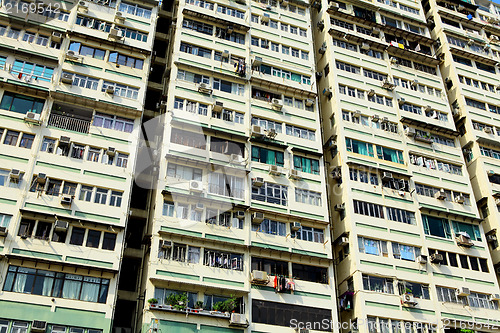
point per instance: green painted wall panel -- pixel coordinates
(376, 264)
(57, 167)
(382, 305)
(61, 316)
(104, 176)
(47, 208)
(224, 239)
(178, 275)
(97, 217)
(309, 253)
(37, 254)
(8, 201)
(225, 282)
(181, 231)
(89, 262)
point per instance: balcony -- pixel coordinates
(69, 123)
(68, 117)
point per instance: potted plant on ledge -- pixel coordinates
(152, 302)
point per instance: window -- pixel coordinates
(267, 156)
(477, 300)
(121, 90)
(116, 199)
(272, 193)
(372, 246)
(368, 209)
(69, 188)
(86, 193)
(168, 208)
(230, 11)
(270, 227)
(53, 187)
(405, 252)
(226, 147)
(229, 87)
(359, 147)
(300, 132)
(84, 81)
(77, 235)
(55, 284)
(389, 154)
(470, 229)
(134, 9)
(310, 273)
(305, 164)
(93, 154)
(308, 197)
(133, 34)
(87, 51)
(225, 260)
(124, 60)
(226, 185)
(27, 141)
(435, 226)
(5, 220)
(378, 284)
(101, 196)
(309, 234)
(183, 172)
(272, 267)
(93, 238)
(11, 138)
(113, 122)
(20, 103)
(447, 295)
(400, 215)
(416, 289)
(190, 139)
(347, 67)
(276, 313)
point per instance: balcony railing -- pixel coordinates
(68, 123)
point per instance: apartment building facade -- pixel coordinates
(73, 81)
(469, 35)
(240, 233)
(410, 251)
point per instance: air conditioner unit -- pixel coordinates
(32, 117)
(495, 297)
(491, 238)
(73, 55)
(195, 186)
(115, 33)
(238, 319)
(257, 182)
(410, 131)
(111, 151)
(165, 244)
(265, 18)
(460, 199)
(328, 92)
(295, 226)
(110, 90)
(61, 225)
(257, 61)
(235, 158)
(226, 54)
(257, 218)
(422, 259)
(440, 195)
(257, 131)
(56, 36)
(386, 84)
(64, 141)
(204, 88)
(229, 29)
(392, 59)
(67, 78)
(259, 276)
(333, 5)
(275, 170)
(428, 108)
(401, 101)
(322, 50)
(319, 75)
(464, 240)
(321, 25)
(343, 241)
(408, 299)
(375, 118)
(83, 7)
(339, 207)
(294, 174)
(436, 258)
(38, 326)
(309, 102)
(239, 214)
(3, 231)
(199, 207)
(41, 178)
(386, 175)
(277, 103)
(365, 46)
(488, 130)
(14, 175)
(66, 200)
(119, 18)
(376, 31)
(336, 173)
(463, 291)
(414, 83)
